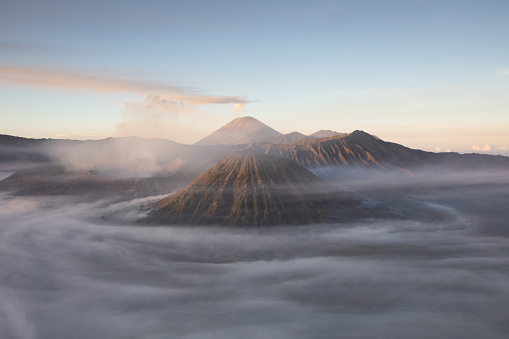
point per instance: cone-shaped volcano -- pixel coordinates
(239, 131)
(255, 190)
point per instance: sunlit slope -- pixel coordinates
(355, 149)
(360, 155)
(239, 131)
(255, 190)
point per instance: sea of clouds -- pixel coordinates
(67, 273)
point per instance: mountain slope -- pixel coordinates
(255, 190)
(359, 155)
(239, 131)
(286, 138)
(357, 149)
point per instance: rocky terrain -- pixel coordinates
(256, 190)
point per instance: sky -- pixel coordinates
(428, 74)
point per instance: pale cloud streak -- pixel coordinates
(488, 148)
(81, 136)
(504, 72)
(485, 148)
(154, 117)
(439, 149)
(69, 80)
(162, 111)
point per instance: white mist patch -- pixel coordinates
(63, 275)
(4, 175)
(122, 157)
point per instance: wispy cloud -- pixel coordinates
(387, 90)
(485, 148)
(80, 135)
(69, 80)
(488, 148)
(341, 91)
(439, 149)
(154, 116)
(158, 113)
(15, 47)
(504, 72)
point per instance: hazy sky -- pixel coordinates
(424, 73)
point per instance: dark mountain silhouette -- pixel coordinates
(22, 150)
(243, 130)
(48, 181)
(256, 190)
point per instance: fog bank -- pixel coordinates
(66, 275)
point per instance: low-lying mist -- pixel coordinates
(361, 179)
(67, 273)
(131, 156)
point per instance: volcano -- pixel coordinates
(243, 130)
(256, 190)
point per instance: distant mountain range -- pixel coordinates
(247, 130)
(143, 167)
(55, 180)
(325, 133)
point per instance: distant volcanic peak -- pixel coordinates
(239, 131)
(245, 123)
(361, 136)
(251, 190)
(358, 132)
(287, 138)
(325, 133)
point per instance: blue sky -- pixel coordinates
(430, 74)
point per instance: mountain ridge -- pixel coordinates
(338, 158)
(289, 138)
(325, 133)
